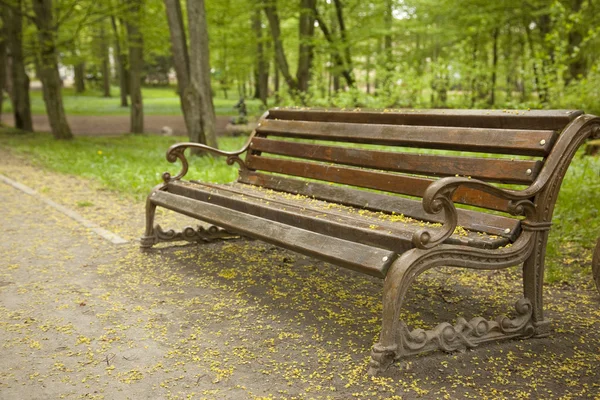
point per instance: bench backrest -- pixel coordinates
(365, 150)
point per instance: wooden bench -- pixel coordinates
(376, 191)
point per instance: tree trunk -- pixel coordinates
(47, 67)
(474, 90)
(105, 61)
(270, 10)
(261, 78)
(494, 67)
(19, 78)
(3, 63)
(387, 46)
(136, 61)
(306, 28)
(120, 59)
(340, 17)
(200, 70)
(276, 79)
(368, 72)
(189, 100)
(577, 65)
(340, 66)
(79, 70)
(540, 87)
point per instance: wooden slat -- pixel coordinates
(319, 216)
(512, 119)
(518, 142)
(355, 256)
(497, 170)
(394, 183)
(469, 219)
(395, 238)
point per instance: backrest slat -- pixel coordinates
(394, 183)
(403, 152)
(484, 140)
(496, 119)
(496, 170)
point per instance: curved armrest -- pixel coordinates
(438, 195)
(176, 152)
(438, 198)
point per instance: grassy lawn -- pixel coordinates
(133, 164)
(157, 101)
(130, 164)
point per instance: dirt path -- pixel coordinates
(82, 318)
(109, 125)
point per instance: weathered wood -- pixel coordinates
(497, 119)
(394, 183)
(492, 169)
(318, 216)
(355, 256)
(473, 220)
(517, 142)
(325, 222)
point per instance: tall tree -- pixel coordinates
(341, 60)
(79, 76)
(105, 62)
(19, 78)
(306, 28)
(136, 61)
(3, 60)
(121, 62)
(47, 68)
(193, 70)
(261, 76)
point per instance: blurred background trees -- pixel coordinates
(344, 53)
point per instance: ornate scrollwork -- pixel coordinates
(188, 234)
(525, 208)
(526, 202)
(176, 152)
(442, 201)
(468, 334)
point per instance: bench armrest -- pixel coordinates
(438, 198)
(438, 195)
(177, 152)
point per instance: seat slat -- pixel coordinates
(473, 220)
(517, 142)
(389, 182)
(513, 119)
(497, 170)
(355, 256)
(321, 217)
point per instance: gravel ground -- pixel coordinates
(239, 319)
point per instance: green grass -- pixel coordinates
(133, 164)
(130, 164)
(157, 101)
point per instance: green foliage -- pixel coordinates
(130, 164)
(576, 223)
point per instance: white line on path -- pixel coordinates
(111, 237)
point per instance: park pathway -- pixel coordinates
(109, 125)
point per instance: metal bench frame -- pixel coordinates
(431, 247)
